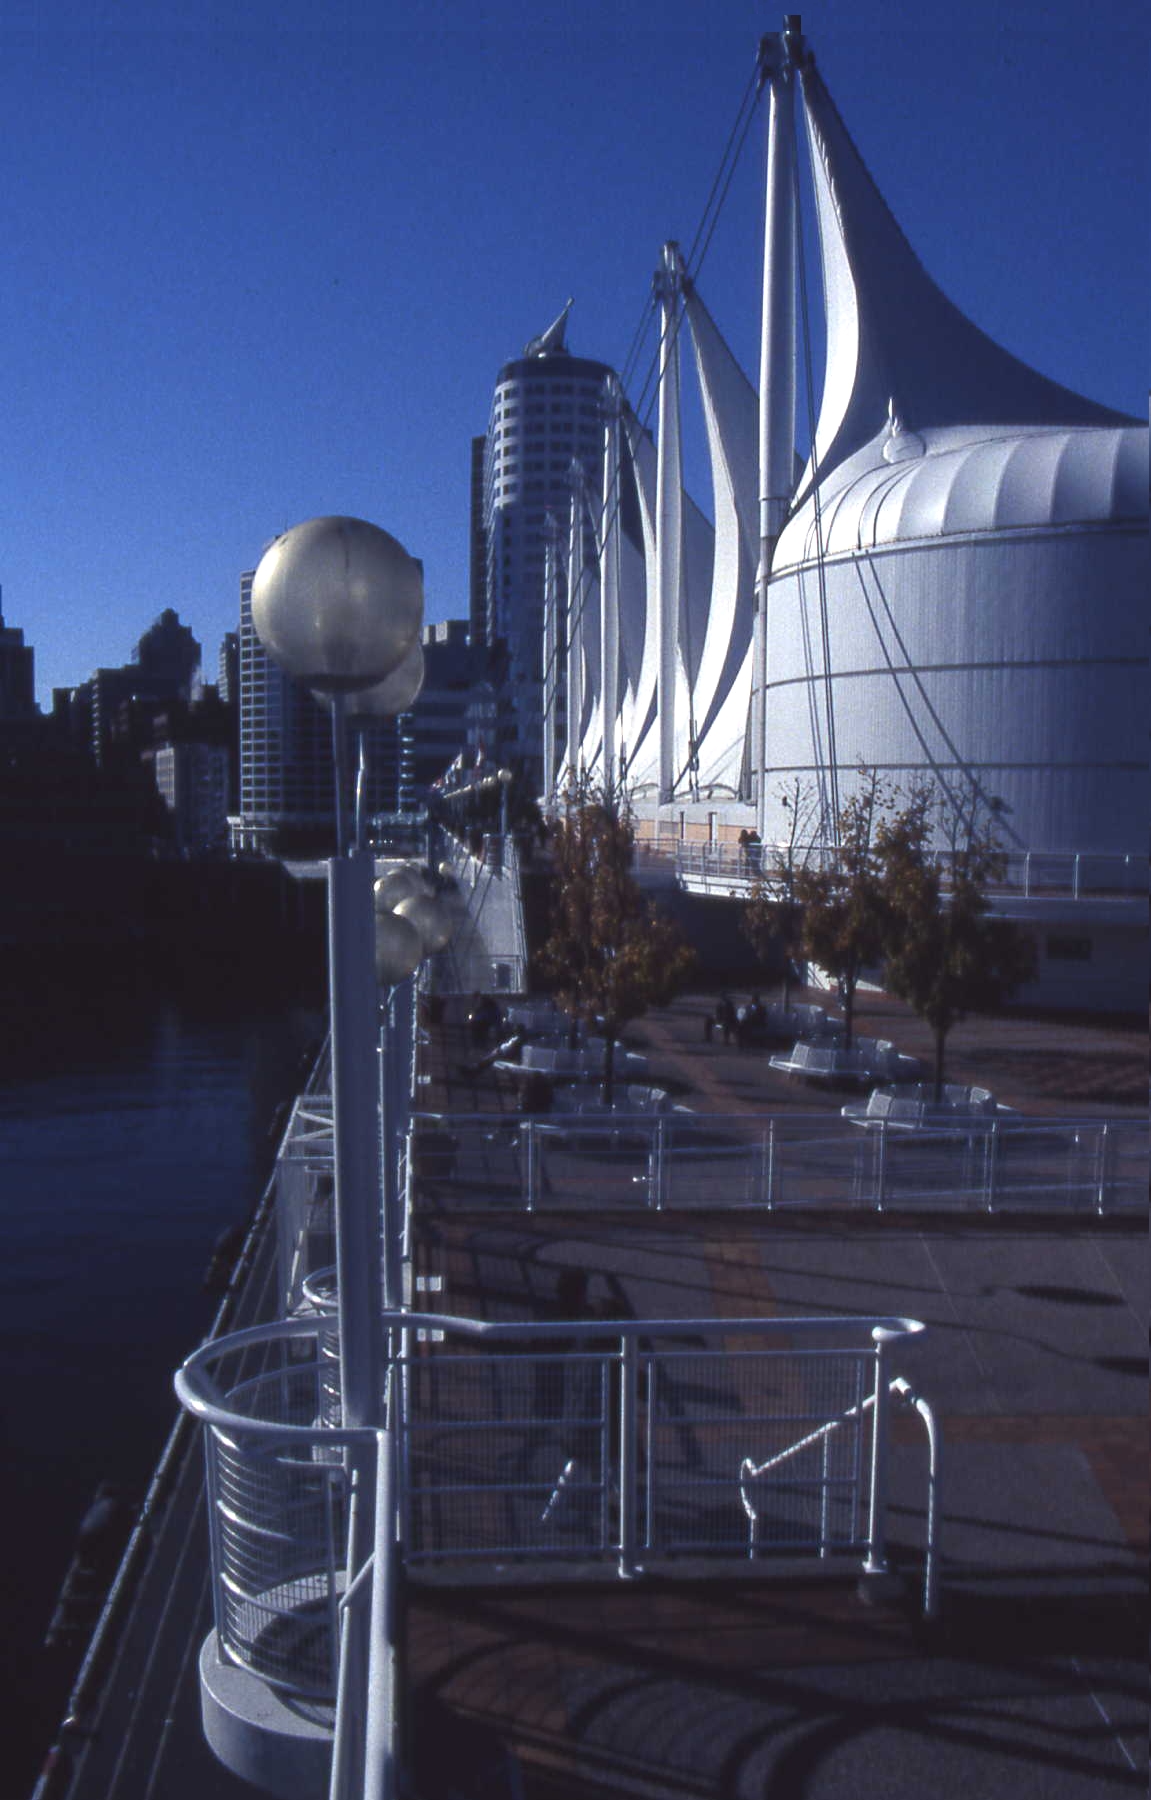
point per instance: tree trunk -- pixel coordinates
(609, 1062)
(847, 997)
(940, 1040)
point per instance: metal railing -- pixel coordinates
(1025, 873)
(632, 1444)
(490, 949)
(777, 1163)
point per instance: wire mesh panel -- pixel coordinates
(585, 1164)
(778, 1163)
(508, 1454)
(277, 1513)
(305, 1219)
(280, 1528)
(711, 1412)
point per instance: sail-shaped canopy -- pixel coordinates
(897, 347)
(958, 595)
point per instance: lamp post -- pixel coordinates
(338, 603)
(505, 779)
(397, 693)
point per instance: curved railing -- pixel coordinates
(617, 1441)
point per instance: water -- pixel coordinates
(134, 1130)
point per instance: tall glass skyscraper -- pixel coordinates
(547, 414)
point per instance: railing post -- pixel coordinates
(881, 1167)
(992, 1164)
(628, 1453)
(381, 1745)
(1104, 1159)
(530, 1172)
(215, 1544)
(1075, 877)
(658, 1181)
(876, 1562)
(768, 1153)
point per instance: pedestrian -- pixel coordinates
(725, 1017)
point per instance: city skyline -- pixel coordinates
(262, 272)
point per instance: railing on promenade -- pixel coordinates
(629, 1444)
(1025, 873)
(490, 951)
(777, 1163)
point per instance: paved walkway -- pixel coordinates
(774, 1684)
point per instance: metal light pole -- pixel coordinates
(338, 603)
(505, 779)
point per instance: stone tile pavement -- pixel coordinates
(1031, 1683)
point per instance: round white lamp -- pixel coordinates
(399, 948)
(338, 603)
(434, 921)
(399, 884)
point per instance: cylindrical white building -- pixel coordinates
(959, 593)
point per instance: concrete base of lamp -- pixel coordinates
(281, 1745)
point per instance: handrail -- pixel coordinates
(1074, 1165)
(1077, 873)
(199, 1393)
(902, 1389)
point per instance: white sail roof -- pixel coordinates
(971, 480)
(895, 342)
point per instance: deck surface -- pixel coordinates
(779, 1682)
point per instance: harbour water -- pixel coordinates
(135, 1129)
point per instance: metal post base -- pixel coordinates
(283, 1750)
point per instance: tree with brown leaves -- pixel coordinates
(944, 954)
(843, 898)
(609, 955)
(772, 917)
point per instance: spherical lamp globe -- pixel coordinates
(399, 884)
(434, 921)
(396, 693)
(399, 948)
(337, 603)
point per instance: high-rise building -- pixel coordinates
(17, 678)
(547, 414)
(286, 776)
(228, 668)
(192, 779)
(165, 666)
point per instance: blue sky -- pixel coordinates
(259, 268)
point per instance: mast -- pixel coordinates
(780, 54)
(668, 512)
(551, 655)
(610, 584)
(574, 632)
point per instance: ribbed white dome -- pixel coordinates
(955, 481)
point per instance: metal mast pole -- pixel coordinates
(609, 583)
(779, 54)
(551, 655)
(575, 603)
(668, 513)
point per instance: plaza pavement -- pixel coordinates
(776, 1684)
